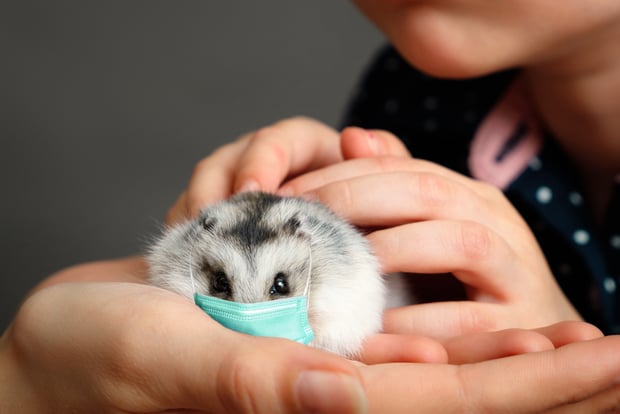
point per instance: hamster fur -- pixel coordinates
(257, 247)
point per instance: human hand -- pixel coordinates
(264, 159)
(130, 348)
(269, 157)
(473, 347)
(127, 347)
(427, 219)
(581, 377)
(565, 368)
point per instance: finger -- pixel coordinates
(526, 383)
(605, 402)
(446, 319)
(381, 164)
(360, 143)
(567, 332)
(401, 197)
(266, 375)
(212, 368)
(398, 197)
(383, 348)
(212, 178)
(158, 351)
(473, 253)
(285, 149)
(568, 374)
(490, 345)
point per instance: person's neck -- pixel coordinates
(577, 96)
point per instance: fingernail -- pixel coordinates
(248, 186)
(327, 392)
(373, 143)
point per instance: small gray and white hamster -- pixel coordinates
(257, 247)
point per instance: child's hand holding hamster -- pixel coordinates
(425, 219)
(95, 347)
(301, 156)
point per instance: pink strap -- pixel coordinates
(506, 140)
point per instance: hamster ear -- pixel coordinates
(293, 227)
(207, 223)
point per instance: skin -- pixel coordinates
(570, 65)
(470, 38)
(364, 156)
(568, 55)
(117, 355)
(420, 211)
(159, 353)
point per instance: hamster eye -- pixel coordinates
(280, 285)
(220, 283)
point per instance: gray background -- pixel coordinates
(105, 108)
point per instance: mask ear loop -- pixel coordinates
(191, 272)
(307, 288)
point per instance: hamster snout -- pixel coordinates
(258, 247)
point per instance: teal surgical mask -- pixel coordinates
(280, 318)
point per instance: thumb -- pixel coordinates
(187, 360)
(128, 347)
(361, 143)
(265, 375)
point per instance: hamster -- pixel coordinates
(257, 247)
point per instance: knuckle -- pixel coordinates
(433, 189)
(269, 142)
(471, 319)
(473, 241)
(339, 197)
